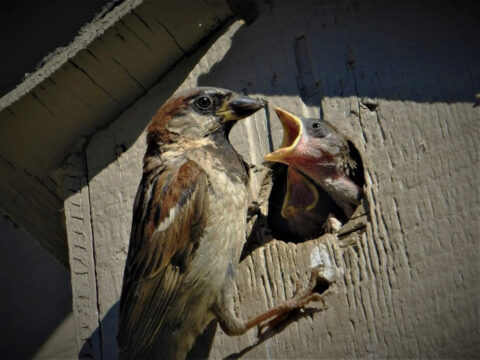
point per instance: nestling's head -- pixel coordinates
(198, 113)
(305, 141)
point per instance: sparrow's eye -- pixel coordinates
(316, 125)
(204, 102)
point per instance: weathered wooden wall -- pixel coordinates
(397, 78)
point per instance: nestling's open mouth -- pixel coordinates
(301, 196)
(292, 131)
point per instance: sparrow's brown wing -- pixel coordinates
(169, 217)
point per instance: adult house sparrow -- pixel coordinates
(188, 229)
(313, 148)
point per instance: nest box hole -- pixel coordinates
(307, 223)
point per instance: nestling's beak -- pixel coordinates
(292, 132)
(301, 196)
(238, 107)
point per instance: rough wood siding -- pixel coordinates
(27, 200)
(82, 256)
(399, 80)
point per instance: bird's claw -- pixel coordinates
(302, 296)
(308, 294)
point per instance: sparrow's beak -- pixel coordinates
(302, 195)
(238, 107)
(292, 132)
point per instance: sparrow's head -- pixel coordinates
(306, 141)
(199, 113)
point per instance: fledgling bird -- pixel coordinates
(308, 209)
(299, 209)
(313, 148)
(188, 229)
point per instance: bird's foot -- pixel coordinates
(301, 298)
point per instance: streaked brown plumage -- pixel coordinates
(188, 229)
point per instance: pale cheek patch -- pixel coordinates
(191, 124)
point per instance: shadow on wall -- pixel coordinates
(200, 350)
(404, 51)
(36, 295)
(109, 322)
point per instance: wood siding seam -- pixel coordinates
(82, 258)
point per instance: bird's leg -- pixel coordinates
(232, 325)
(301, 298)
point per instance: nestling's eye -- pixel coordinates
(318, 129)
(204, 102)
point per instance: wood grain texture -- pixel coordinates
(22, 190)
(82, 257)
(399, 81)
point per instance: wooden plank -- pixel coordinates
(19, 189)
(201, 18)
(379, 281)
(266, 278)
(371, 315)
(407, 283)
(15, 132)
(82, 258)
(104, 20)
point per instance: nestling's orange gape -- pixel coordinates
(188, 229)
(315, 154)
